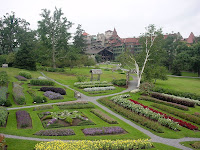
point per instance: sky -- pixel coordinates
(129, 17)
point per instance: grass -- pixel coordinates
(11, 127)
(188, 144)
(181, 84)
(167, 132)
(29, 145)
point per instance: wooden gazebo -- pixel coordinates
(95, 71)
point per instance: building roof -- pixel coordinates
(191, 38)
(130, 40)
(96, 71)
(85, 34)
(114, 35)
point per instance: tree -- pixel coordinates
(79, 41)
(53, 32)
(12, 30)
(195, 58)
(151, 49)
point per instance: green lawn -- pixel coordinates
(181, 84)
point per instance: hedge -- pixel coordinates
(41, 82)
(25, 74)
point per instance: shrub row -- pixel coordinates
(3, 78)
(20, 78)
(172, 99)
(177, 93)
(53, 89)
(103, 131)
(43, 107)
(23, 119)
(120, 82)
(90, 83)
(103, 116)
(147, 98)
(53, 95)
(96, 145)
(96, 85)
(180, 122)
(41, 82)
(132, 116)
(54, 69)
(3, 95)
(57, 132)
(18, 94)
(76, 106)
(3, 116)
(25, 74)
(99, 88)
(185, 116)
(36, 98)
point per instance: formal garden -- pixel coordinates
(162, 111)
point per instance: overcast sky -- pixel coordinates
(129, 17)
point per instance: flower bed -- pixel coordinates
(76, 106)
(3, 94)
(23, 119)
(3, 78)
(133, 116)
(20, 78)
(96, 145)
(180, 122)
(42, 82)
(147, 98)
(53, 95)
(3, 116)
(103, 116)
(36, 98)
(53, 89)
(103, 131)
(25, 74)
(89, 83)
(185, 116)
(172, 99)
(18, 94)
(57, 132)
(99, 89)
(43, 107)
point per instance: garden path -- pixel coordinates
(132, 85)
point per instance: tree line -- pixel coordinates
(49, 45)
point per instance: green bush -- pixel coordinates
(69, 120)
(3, 116)
(3, 93)
(120, 82)
(42, 82)
(81, 78)
(86, 122)
(25, 74)
(55, 69)
(196, 145)
(39, 99)
(3, 78)
(146, 87)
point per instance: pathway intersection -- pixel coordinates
(132, 85)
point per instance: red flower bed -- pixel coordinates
(180, 122)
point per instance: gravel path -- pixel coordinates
(132, 85)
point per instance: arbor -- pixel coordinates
(12, 30)
(78, 38)
(151, 51)
(53, 32)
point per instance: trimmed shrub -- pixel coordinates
(43, 107)
(120, 82)
(18, 94)
(53, 95)
(20, 78)
(53, 89)
(3, 78)
(57, 132)
(96, 145)
(132, 116)
(103, 131)
(173, 99)
(176, 93)
(103, 116)
(41, 82)
(76, 106)
(147, 98)
(185, 116)
(23, 119)
(3, 94)
(3, 116)
(25, 74)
